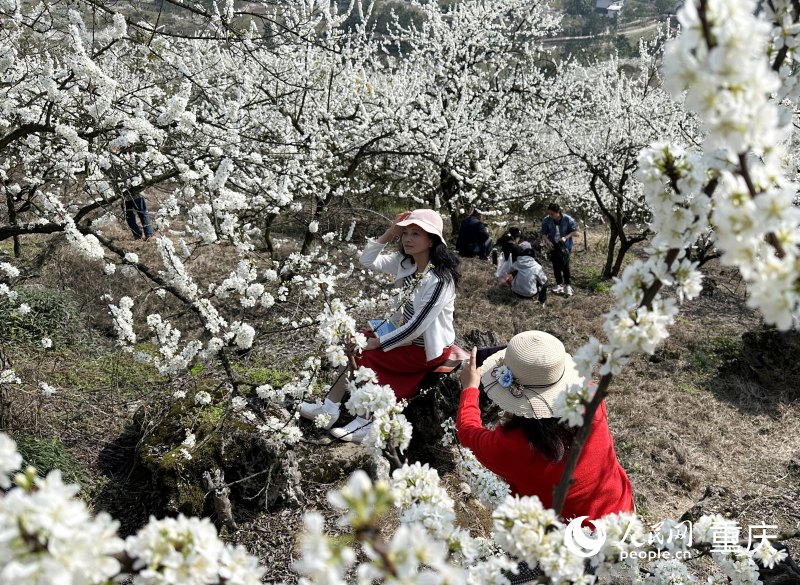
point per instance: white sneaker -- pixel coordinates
(311, 410)
(557, 289)
(354, 431)
(569, 291)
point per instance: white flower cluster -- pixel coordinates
(637, 324)
(668, 572)
(47, 535)
(242, 282)
(768, 555)
(488, 487)
(367, 397)
(9, 377)
(172, 359)
(190, 441)
(361, 501)
(188, 550)
(485, 485)
(122, 319)
(411, 555)
(269, 394)
(46, 389)
(9, 270)
(244, 336)
(739, 566)
(87, 246)
(417, 492)
(320, 561)
(623, 532)
(529, 531)
(570, 406)
(389, 427)
(275, 429)
(10, 459)
(336, 329)
(6, 291)
(721, 60)
(202, 398)
(422, 500)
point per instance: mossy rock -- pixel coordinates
(260, 471)
(333, 463)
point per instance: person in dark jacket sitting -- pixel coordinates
(474, 238)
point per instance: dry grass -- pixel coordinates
(692, 416)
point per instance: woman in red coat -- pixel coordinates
(529, 448)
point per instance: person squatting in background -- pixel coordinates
(528, 278)
(529, 448)
(427, 275)
(474, 238)
(509, 244)
(558, 230)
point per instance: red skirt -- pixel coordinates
(402, 368)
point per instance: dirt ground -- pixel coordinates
(697, 418)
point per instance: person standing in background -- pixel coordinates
(558, 229)
(133, 204)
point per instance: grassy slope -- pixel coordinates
(691, 416)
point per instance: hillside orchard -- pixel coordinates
(253, 123)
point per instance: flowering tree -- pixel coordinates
(734, 65)
(475, 71)
(253, 117)
(601, 115)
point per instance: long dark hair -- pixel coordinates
(546, 435)
(508, 246)
(445, 263)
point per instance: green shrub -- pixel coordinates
(596, 283)
(54, 313)
(716, 352)
(49, 453)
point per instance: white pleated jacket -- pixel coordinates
(433, 300)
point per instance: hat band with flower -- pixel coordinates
(505, 377)
(526, 378)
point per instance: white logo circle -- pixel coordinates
(580, 543)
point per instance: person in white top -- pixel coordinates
(427, 273)
(529, 280)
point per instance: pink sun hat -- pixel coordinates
(428, 219)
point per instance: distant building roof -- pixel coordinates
(609, 7)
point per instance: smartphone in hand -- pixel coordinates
(485, 352)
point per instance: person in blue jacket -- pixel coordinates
(558, 229)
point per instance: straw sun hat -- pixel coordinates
(526, 378)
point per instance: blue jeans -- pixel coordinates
(134, 207)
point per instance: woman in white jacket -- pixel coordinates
(427, 274)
